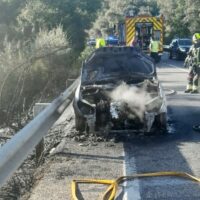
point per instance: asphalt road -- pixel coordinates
(177, 150)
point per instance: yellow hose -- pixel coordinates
(111, 192)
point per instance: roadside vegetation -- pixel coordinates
(43, 43)
(40, 42)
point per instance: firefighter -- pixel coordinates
(194, 68)
(154, 49)
(188, 61)
(100, 42)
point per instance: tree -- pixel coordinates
(176, 17)
(35, 15)
(9, 10)
(192, 15)
(114, 11)
(35, 59)
(28, 71)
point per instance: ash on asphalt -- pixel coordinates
(128, 135)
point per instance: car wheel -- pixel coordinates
(161, 121)
(170, 55)
(178, 56)
(80, 123)
(174, 55)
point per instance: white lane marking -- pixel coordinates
(185, 70)
(132, 188)
(164, 181)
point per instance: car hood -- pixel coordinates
(117, 78)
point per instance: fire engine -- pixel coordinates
(143, 27)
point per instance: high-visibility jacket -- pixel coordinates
(154, 46)
(100, 42)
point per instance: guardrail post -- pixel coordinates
(39, 149)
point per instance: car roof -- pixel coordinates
(117, 51)
(184, 39)
(181, 39)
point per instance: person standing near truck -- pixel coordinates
(154, 49)
(100, 41)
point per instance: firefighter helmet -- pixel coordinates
(196, 37)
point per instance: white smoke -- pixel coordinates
(132, 99)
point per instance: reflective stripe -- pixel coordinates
(130, 29)
(189, 87)
(195, 87)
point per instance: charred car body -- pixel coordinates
(119, 90)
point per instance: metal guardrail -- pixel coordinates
(16, 150)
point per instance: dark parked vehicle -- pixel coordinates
(119, 90)
(179, 48)
(91, 42)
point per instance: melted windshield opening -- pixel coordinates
(102, 67)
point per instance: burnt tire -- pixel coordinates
(80, 123)
(178, 56)
(161, 121)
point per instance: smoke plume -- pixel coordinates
(132, 99)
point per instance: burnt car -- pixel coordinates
(119, 90)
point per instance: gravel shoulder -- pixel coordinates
(73, 159)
